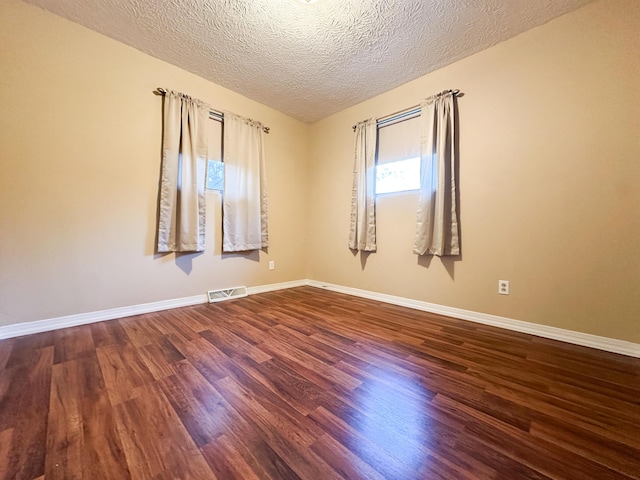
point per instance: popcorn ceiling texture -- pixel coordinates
(310, 61)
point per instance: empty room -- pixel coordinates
(319, 239)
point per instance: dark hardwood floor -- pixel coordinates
(306, 383)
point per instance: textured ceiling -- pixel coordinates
(310, 61)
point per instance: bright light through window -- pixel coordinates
(399, 176)
(215, 175)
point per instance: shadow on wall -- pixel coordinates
(448, 262)
(253, 255)
(363, 258)
(184, 260)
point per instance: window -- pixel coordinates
(215, 175)
(399, 176)
(215, 167)
(398, 159)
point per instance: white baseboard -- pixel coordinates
(276, 286)
(577, 338)
(569, 336)
(38, 326)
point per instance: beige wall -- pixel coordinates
(80, 135)
(549, 170)
(549, 181)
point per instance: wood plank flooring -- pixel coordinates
(310, 384)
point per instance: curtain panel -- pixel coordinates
(437, 230)
(181, 219)
(362, 233)
(244, 222)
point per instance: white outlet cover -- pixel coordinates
(503, 287)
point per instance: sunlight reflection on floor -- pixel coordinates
(395, 416)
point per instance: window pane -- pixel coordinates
(398, 162)
(399, 141)
(215, 167)
(398, 176)
(215, 175)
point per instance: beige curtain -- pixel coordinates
(437, 223)
(181, 220)
(362, 234)
(244, 215)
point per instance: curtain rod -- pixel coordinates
(407, 113)
(215, 114)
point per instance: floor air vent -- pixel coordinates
(226, 294)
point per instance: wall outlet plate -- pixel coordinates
(272, 265)
(503, 287)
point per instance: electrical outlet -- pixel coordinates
(503, 287)
(272, 265)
